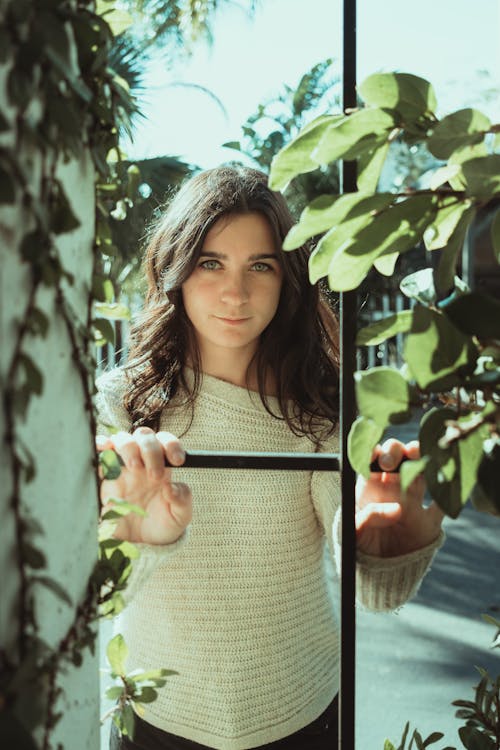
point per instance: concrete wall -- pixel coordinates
(62, 497)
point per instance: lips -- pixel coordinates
(232, 321)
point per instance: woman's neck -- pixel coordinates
(237, 371)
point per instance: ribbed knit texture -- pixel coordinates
(240, 607)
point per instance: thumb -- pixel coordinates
(377, 516)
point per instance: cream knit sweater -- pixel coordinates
(240, 605)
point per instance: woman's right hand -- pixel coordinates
(146, 481)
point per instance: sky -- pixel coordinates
(453, 43)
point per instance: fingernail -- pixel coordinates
(386, 459)
(179, 455)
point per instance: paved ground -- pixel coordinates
(413, 664)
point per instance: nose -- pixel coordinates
(234, 289)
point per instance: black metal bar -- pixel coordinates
(270, 461)
(348, 325)
(256, 460)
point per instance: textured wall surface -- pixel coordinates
(62, 497)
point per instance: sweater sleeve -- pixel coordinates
(382, 584)
(111, 413)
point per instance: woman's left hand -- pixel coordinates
(389, 522)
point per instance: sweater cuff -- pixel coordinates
(386, 583)
(151, 556)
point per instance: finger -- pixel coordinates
(377, 515)
(103, 442)
(390, 454)
(174, 451)
(435, 513)
(151, 452)
(128, 450)
(412, 450)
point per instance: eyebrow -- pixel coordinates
(221, 256)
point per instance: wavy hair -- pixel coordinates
(299, 346)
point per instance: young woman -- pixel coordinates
(236, 350)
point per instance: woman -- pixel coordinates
(236, 350)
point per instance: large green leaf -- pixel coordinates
(362, 439)
(486, 493)
(370, 166)
(384, 329)
(296, 158)
(461, 128)
(349, 214)
(441, 469)
(482, 175)
(450, 212)
(395, 230)
(444, 275)
(475, 313)
(409, 95)
(437, 352)
(354, 135)
(382, 395)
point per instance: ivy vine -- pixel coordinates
(63, 100)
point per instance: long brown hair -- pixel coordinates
(299, 346)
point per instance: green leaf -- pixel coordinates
(450, 471)
(438, 233)
(114, 692)
(410, 470)
(110, 464)
(236, 145)
(388, 745)
(409, 95)
(127, 720)
(122, 508)
(112, 310)
(385, 264)
(495, 235)
(147, 694)
(395, 230)
(117, 653)
(444, 275)
(362, 439)
(32, 556)
(328, 211)
(62, 218)
(105, 328)
(382, 394)
(476, 314)
(420, 286)
(437, 353)
(117, 19)
(32, 374)
(370, 166)
(296, 158)
(486, 493)
(462, 128)
(153, 675)
(482, 175)
(385, 329)
(354, 135)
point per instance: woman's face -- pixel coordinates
(233, 293)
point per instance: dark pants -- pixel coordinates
(321, 734)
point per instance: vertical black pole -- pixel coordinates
(348, 411)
